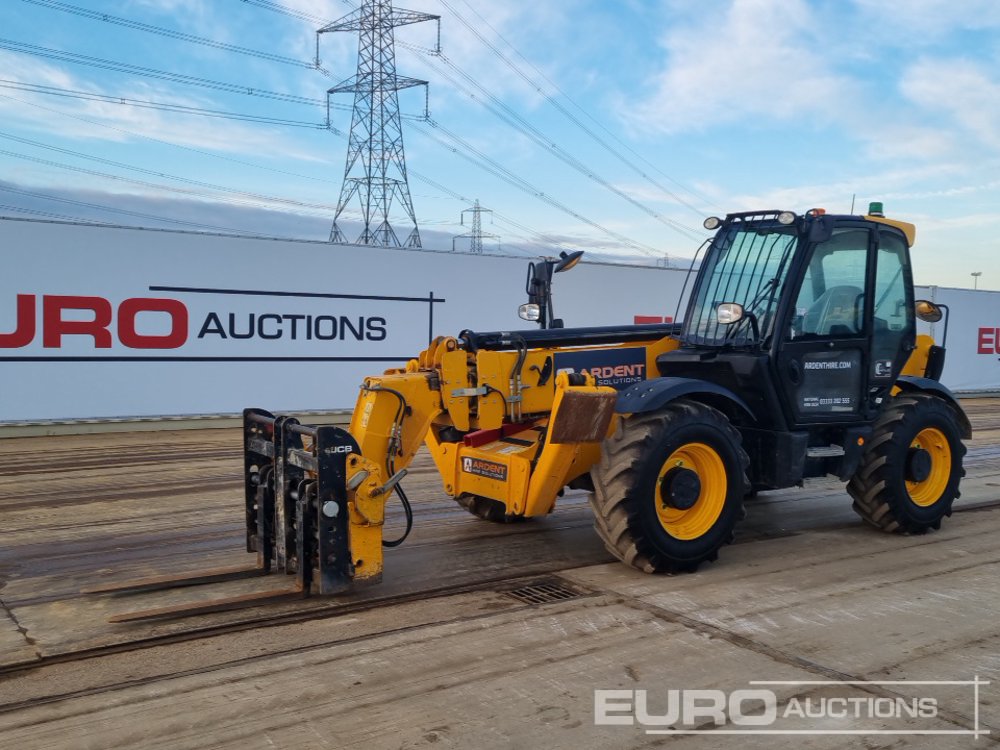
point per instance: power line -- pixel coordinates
(157, 173)
(125, 212)
(164, 106)
(170, 33)
(498, 216)
(192, 149)
(516, 121)
(449, 193)
(46, 214)
(484, 162)
(159, 186)
(436, 53)
(555, 103)
(120, 67)
(300, 15)
(234, 88)
(496, 169)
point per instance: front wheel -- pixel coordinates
(669, 487)
(911, 468)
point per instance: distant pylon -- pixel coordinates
(376, 163)
(476, 236)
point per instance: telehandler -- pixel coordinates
(798, 357)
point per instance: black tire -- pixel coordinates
(628, 497)
(486, 508)
(882, 496)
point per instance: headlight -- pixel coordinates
(529, 311)
(728, 313)
(712, 222)
(786, 218)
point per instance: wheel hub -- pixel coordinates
(918, 465)
(680, 488)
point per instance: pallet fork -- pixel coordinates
(297, 518)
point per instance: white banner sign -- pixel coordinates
(111, 322)
(972, 361)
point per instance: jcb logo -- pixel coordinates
(94, 317)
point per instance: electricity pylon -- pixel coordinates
(376, 162)
(476, 236)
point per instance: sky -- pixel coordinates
(613, 127)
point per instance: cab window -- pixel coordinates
(831, 300)
(893, 320)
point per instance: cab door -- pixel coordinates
(823, 362)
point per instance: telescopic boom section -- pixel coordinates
(499, 421)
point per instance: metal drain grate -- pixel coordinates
(543, 592)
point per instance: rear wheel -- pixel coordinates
(911, 468)
(486, 508)
(669, 487)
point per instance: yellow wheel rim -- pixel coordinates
(697, 520)
(930, 490)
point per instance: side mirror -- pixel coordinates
(927, 311)
(529, 311)
(538, 308)
(567, 260)
(729, 312)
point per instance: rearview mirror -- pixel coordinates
(927, 311)
(728, 313)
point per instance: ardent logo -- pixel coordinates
(483, 468)
(617, 371)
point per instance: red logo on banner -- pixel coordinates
(989, 340)
(64, 316)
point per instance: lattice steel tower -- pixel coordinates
(476, 236)
(376, 163)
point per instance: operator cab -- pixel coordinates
(810, 318)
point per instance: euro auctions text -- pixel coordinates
(821, 707)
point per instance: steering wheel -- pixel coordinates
(838, 305)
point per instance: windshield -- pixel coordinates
(747, 263)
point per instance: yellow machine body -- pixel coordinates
(525, 438)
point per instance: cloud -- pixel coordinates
(37, 110)
(960, 93)
(756, 60)
(836, 195)
(926, 21)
